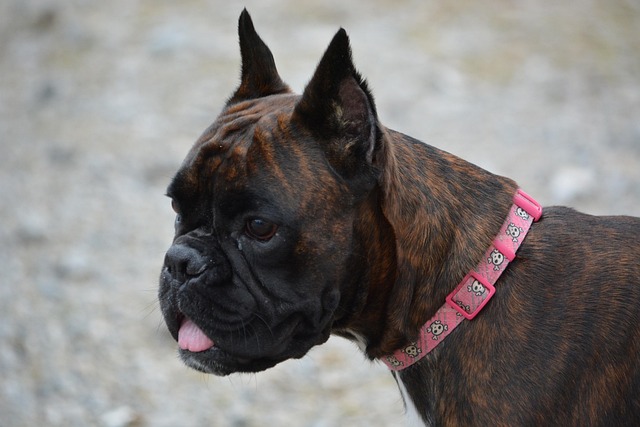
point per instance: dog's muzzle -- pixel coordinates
(226, 319)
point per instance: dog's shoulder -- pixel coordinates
(562, 224)
(570, 252)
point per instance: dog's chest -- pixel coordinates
(413, 418)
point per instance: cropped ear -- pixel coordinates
(338, 109)
(259, 76)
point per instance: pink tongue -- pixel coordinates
(191, 338)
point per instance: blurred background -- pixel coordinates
(100, 101)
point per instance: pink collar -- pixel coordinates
(476, 289)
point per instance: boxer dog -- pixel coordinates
(299, 216)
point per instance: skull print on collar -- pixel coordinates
(476, 289)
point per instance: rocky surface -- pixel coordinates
(99, 102)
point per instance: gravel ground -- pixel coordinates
(100, 101)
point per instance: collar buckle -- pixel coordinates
(471, 295)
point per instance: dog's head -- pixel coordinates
(269, 208)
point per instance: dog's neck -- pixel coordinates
(439, 213)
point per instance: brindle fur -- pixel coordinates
(380, 228)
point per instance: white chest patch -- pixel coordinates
(359, 340)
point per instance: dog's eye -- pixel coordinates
(174, 206)
(260, 229)
(176, 209)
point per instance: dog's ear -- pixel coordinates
(338, 109)
(259, 74)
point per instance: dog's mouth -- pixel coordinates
(203, 353)
(200, 352)
(192, 338)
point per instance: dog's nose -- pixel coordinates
(184, 262)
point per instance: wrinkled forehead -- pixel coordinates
(226, 142)
(235, 129)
